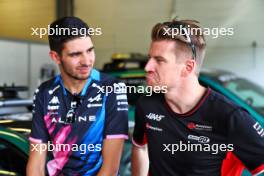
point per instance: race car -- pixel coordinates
(14, 149)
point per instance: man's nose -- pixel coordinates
(85, 59)
(150, 65)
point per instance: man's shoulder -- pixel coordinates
(221, 107)
(49, 85)
(222, 101)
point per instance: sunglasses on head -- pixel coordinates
(183, 35)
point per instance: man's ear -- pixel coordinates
(55, 57)
(189, 67)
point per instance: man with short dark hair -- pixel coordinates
(190, 130)
(82, 125)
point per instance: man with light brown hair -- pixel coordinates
(191, 129)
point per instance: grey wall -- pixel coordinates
(39, 56)
(14, 63)
(125, 24)
(234, 53)
(21, 63)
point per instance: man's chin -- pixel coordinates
(82, 78)
(150, 83)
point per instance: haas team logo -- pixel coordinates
(155, 117)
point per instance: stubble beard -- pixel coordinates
(72, 75)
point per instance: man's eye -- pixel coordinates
(158, 60)
(90, 50)
(74, 55)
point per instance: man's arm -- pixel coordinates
(37, 160)
(140, 161)
(38, 137)
(244, 133)
(111, 151)
(115, 130)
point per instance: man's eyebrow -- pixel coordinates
(90, 49)
(79, 52)
(156, 57)
(74, 53)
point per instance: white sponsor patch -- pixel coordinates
(122, 109)
(53, 107)
(121, 97)
(122, 103)
(93, 105)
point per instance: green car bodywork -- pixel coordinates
(14, 138)
(17, 145)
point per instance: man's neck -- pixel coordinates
(73, 85)
(184, 98)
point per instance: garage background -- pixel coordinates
(126, 27)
